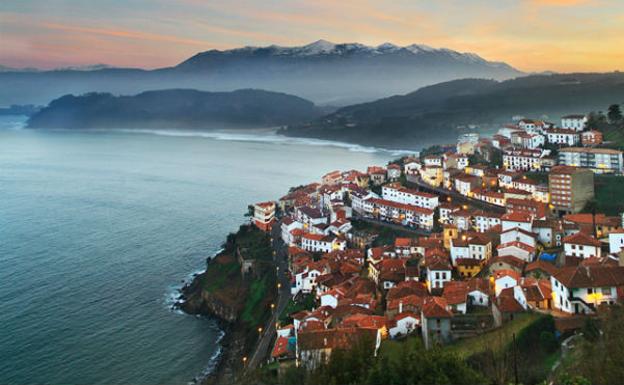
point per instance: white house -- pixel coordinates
(562, 136)
(403, 324)
(580, 289)
(516, 220)
(574, 122)
(616, 241)
(485, 220)
(504, 279)
(400, 194)
(438, 272)
(517, 249)
(287, 226)
(518, 234)
(581, 245)
(321, 243)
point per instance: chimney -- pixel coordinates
(400, 307)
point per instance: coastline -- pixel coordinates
(222, 293)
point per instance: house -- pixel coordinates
(435, 320)
(519, 235)
(462, 219)
(315, 347)
(397, 193)
(517, 249)
(284, 348)
(540, 269)
(516, 220)
(332, 178)
(538, 293)
(305, 280)
(478, 292)
(359, 199)
(480, 247)
(524, 159)
(264, 215)
(530, 140)
(591, 138)
(394, 171)
(507, 306)
(581, 245)
(321, 243)
(432, 175)
(411, 166)
(574, 122)
(505, 279)
(310, 216)
(456, 296)
(468, 267)
(438, 272)
(405, 214)
(600, 224)
(506, 262)
(563, 137)
(485, 220)
(580, 289)
(599, 160)
(464, 184)
(403, 324)
(549, 232)
(433, 160)
(493, 197)
(456, 161)
(288, 233)
(377, 175)
(616, 241)
(528, 206)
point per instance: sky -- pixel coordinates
(531, 35)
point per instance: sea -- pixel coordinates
(99, 229)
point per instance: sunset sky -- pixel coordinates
(532, 35)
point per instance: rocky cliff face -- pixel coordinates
(196, 300)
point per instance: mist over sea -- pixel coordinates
(98, 228)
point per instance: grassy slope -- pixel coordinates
(609, 192)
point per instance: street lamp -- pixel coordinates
(244, 360)
(260, 330)
(279, 285)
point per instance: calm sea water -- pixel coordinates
(97, 230)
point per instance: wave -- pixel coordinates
(265, 136)
(213, 361)
(173, 292)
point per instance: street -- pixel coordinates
(264, 343)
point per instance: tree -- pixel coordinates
(596, 120)
(614, 114)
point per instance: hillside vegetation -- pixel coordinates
(442, 111)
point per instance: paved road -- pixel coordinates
(414, 181)
(264, 344)
(392, 225)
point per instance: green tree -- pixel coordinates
(614, 114)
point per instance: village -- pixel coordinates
(478, 241)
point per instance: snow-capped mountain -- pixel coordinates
(324, 48)
(322, 71)
(348, 72)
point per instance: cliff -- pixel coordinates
(240, 302)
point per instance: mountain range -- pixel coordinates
(324, 72)
(440, 112)
(175, 109)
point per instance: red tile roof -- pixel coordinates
(436, 307)
(582, 239)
